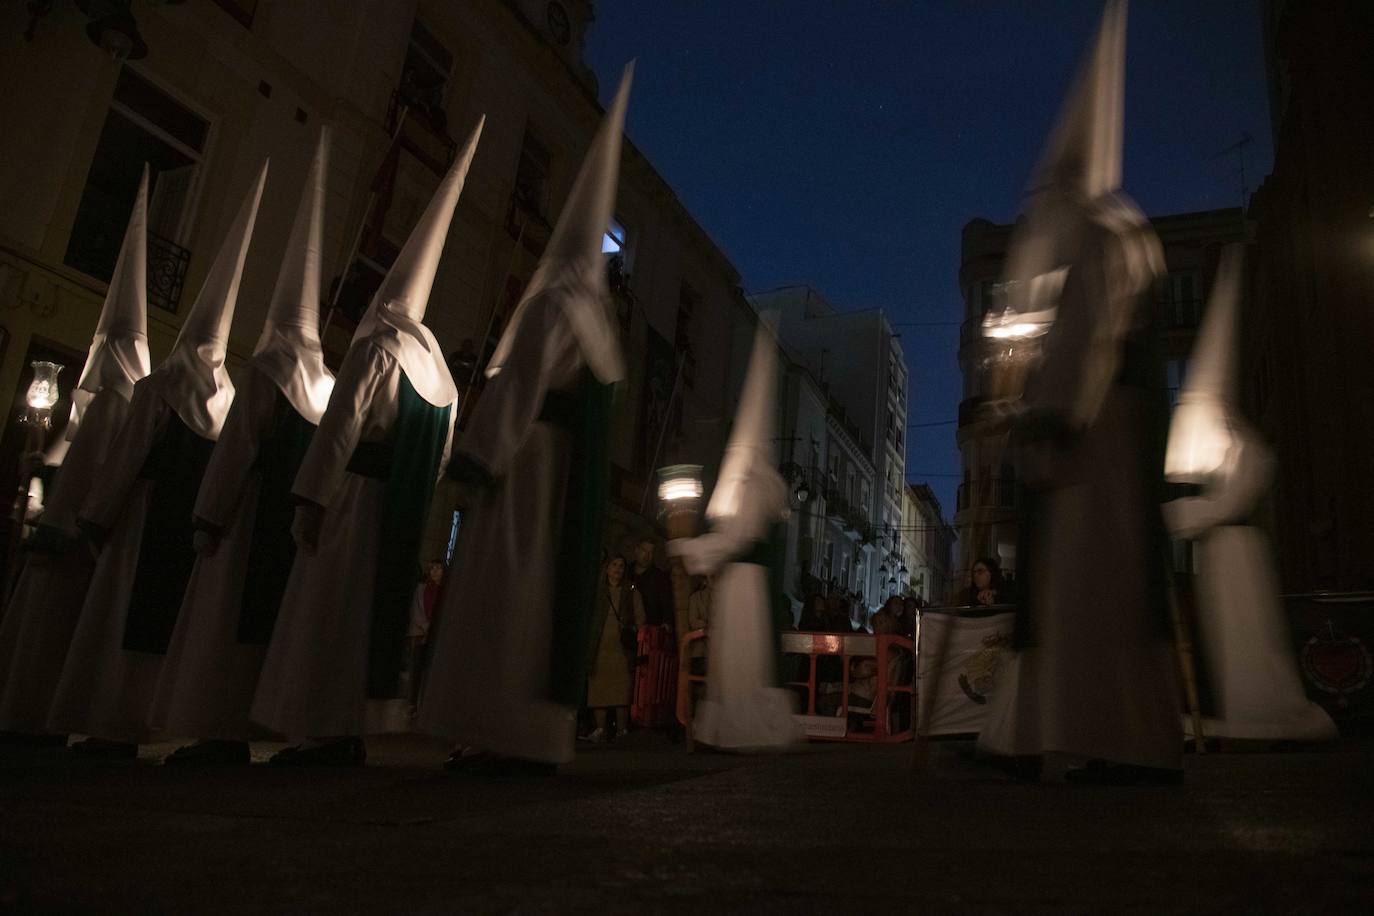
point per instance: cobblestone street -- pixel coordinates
(641, 826)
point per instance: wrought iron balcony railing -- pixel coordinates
(95, 250)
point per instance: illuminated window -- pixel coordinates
(613, 242)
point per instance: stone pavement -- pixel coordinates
(641, 826)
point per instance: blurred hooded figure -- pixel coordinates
(140, 511)
(1095, 678)
(244, 509)
(744, 709)
(508, 669)
(43, 610)
(1256, 689)
(338, 649)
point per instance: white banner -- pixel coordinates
(969, 653)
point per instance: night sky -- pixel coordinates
(844, 145)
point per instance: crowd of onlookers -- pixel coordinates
(636, 624)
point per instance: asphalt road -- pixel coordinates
(643, 827)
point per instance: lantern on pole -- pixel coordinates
(679, 493)
(43, 394)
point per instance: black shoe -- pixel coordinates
(341, 752)
(209, 753)
(1102, 773)
(100, 749)
(465, 758)
(1023, 767)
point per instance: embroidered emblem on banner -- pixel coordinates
(1336, 663)
(980, 670)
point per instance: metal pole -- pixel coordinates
(667, 414)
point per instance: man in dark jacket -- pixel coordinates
(654, 585)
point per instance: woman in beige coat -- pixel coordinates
(609, 683)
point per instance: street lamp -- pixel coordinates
(35, 419)
(43, 393)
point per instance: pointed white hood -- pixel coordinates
(1201, 432)
(289, 350)
(395, 317)
(572, 268)
(118, 356)
(1078, 174)
(197, 385)
(750, 494)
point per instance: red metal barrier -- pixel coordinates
(844, 680)
(655, 678)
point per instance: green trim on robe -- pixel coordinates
(273, 549)
(417, 447)
(173, 470)
(585, 413)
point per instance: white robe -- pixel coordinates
(488, 683)
(43, 610)
(1101, 679)
(1240, 620)
(314, 677)
(209, 677)
(107, 691)
(744, 709)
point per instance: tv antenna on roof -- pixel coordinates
(1238, 148)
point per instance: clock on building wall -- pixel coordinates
(557, 18)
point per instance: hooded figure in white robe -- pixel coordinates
(508, 667)
(43, 610)
(1255, 688)
(139, 513)
(1095, 676)
(744, 709)
(338, 648)
(244, 510)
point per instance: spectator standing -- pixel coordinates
(986, 586)
(608, 683)
(813, 614)
(656, 680)
(421, 620)
(654, 585)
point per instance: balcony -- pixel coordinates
(989, 493)
(166, 272)
(95, 252)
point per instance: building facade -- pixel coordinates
(229, 83)
(988, 507)
(1309, 327)
(856, 360)
(927, 547)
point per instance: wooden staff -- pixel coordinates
(681, 522)
(1183, 643)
